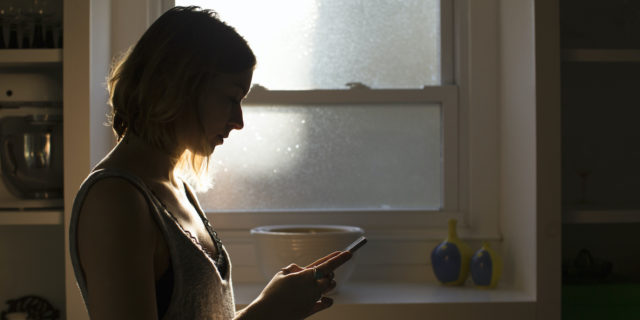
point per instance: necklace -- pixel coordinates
(219, 259)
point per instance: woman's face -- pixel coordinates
(217, 113)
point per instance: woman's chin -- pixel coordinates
(206, 150)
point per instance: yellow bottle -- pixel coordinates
(450, 259)
(486, 267)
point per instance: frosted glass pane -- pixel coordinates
(330, 157)
(325, 44)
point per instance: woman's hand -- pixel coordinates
(295, 293)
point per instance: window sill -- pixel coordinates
(367, 293)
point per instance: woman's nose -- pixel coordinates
(236, 121)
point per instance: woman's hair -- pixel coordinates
(166, 71)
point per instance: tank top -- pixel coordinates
(201, 288)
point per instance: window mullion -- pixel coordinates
(447, 41)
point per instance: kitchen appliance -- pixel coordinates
(30, 141)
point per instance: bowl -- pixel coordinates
(278, 246)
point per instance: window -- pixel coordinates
(397, 149)
(349, 110)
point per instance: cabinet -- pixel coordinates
(600, 157)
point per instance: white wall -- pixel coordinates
(77, 124)
(530, 208)
(130, 18)
(517, 142)
(100, 49)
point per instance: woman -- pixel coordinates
(141, 247)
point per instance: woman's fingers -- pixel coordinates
(323, 259)
(325, 264)
(321, 304)
(334, 262)
(326, 284)
(291, 269)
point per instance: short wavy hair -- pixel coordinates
(166, 69)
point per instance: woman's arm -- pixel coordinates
(116, 242)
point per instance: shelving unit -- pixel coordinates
(32, 231)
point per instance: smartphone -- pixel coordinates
(356, 244)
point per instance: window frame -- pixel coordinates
(477, 211)
(445, 96)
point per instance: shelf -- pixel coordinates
(601, 55)
(29, 57)
(600, 216)
(31, 217)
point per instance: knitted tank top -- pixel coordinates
(200, 291)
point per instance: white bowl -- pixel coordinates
(280, 245)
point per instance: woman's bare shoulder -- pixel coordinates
(115, 202)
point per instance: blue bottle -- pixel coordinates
(486, 267)
(450, 259)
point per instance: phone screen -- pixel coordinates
(356, 244)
